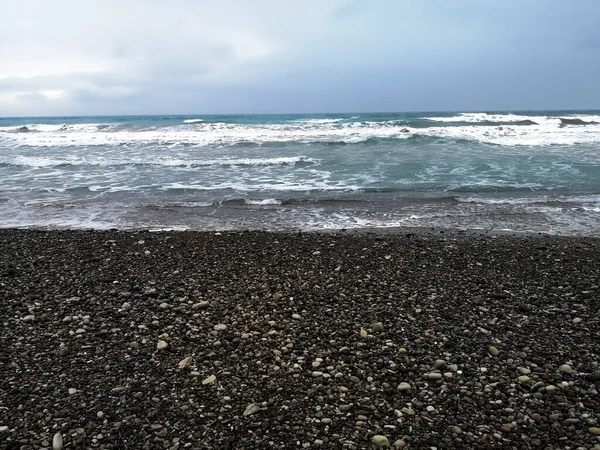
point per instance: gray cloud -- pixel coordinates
(136, 57)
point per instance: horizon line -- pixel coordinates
(446, 111)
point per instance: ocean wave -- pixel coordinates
(46, 128)
(321, 121)
(564, 121)
(499, 186)
(530, 200)
(258, 186)
(23, 130)
(499, 129)
(193, 121)
(40, 161)
(476, 118)
(263, 202)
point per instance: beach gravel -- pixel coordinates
(258, 340)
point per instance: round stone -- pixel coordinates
(403, 387)
(380, 441)
(565, 368)
(594, 430)
(493, 351)
(439, 364)
(378, 328)
(220, 327)
(432, 376)
(162, 345)
(57, 442)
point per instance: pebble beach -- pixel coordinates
(258, 340)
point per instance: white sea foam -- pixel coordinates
(272, 185)
(546, 131)
(485, 117)
(193, 121)
(266, 201)
(533, 135)
(56, 128)
(528, 200)
(212, 134)
(102, 161)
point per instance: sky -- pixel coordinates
(113, 57)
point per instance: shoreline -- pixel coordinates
(299, 339)
(385, 231)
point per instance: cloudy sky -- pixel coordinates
(74, 57)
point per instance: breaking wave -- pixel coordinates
(40, 161)
(564, 121)
(497, 129)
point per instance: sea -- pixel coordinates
(532, 171)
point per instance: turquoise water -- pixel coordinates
(522, 171)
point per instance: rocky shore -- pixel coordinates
(256, 340)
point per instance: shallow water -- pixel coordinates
(525, 171)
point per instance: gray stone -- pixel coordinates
(201, 305)
(28, 318)
(251, 409)
(433, 376)
(185, 362)
(403, 387)
(57, 442)
(565, 368)
(380, 441)
(439, 364)
(209, 380)
(378, 328)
